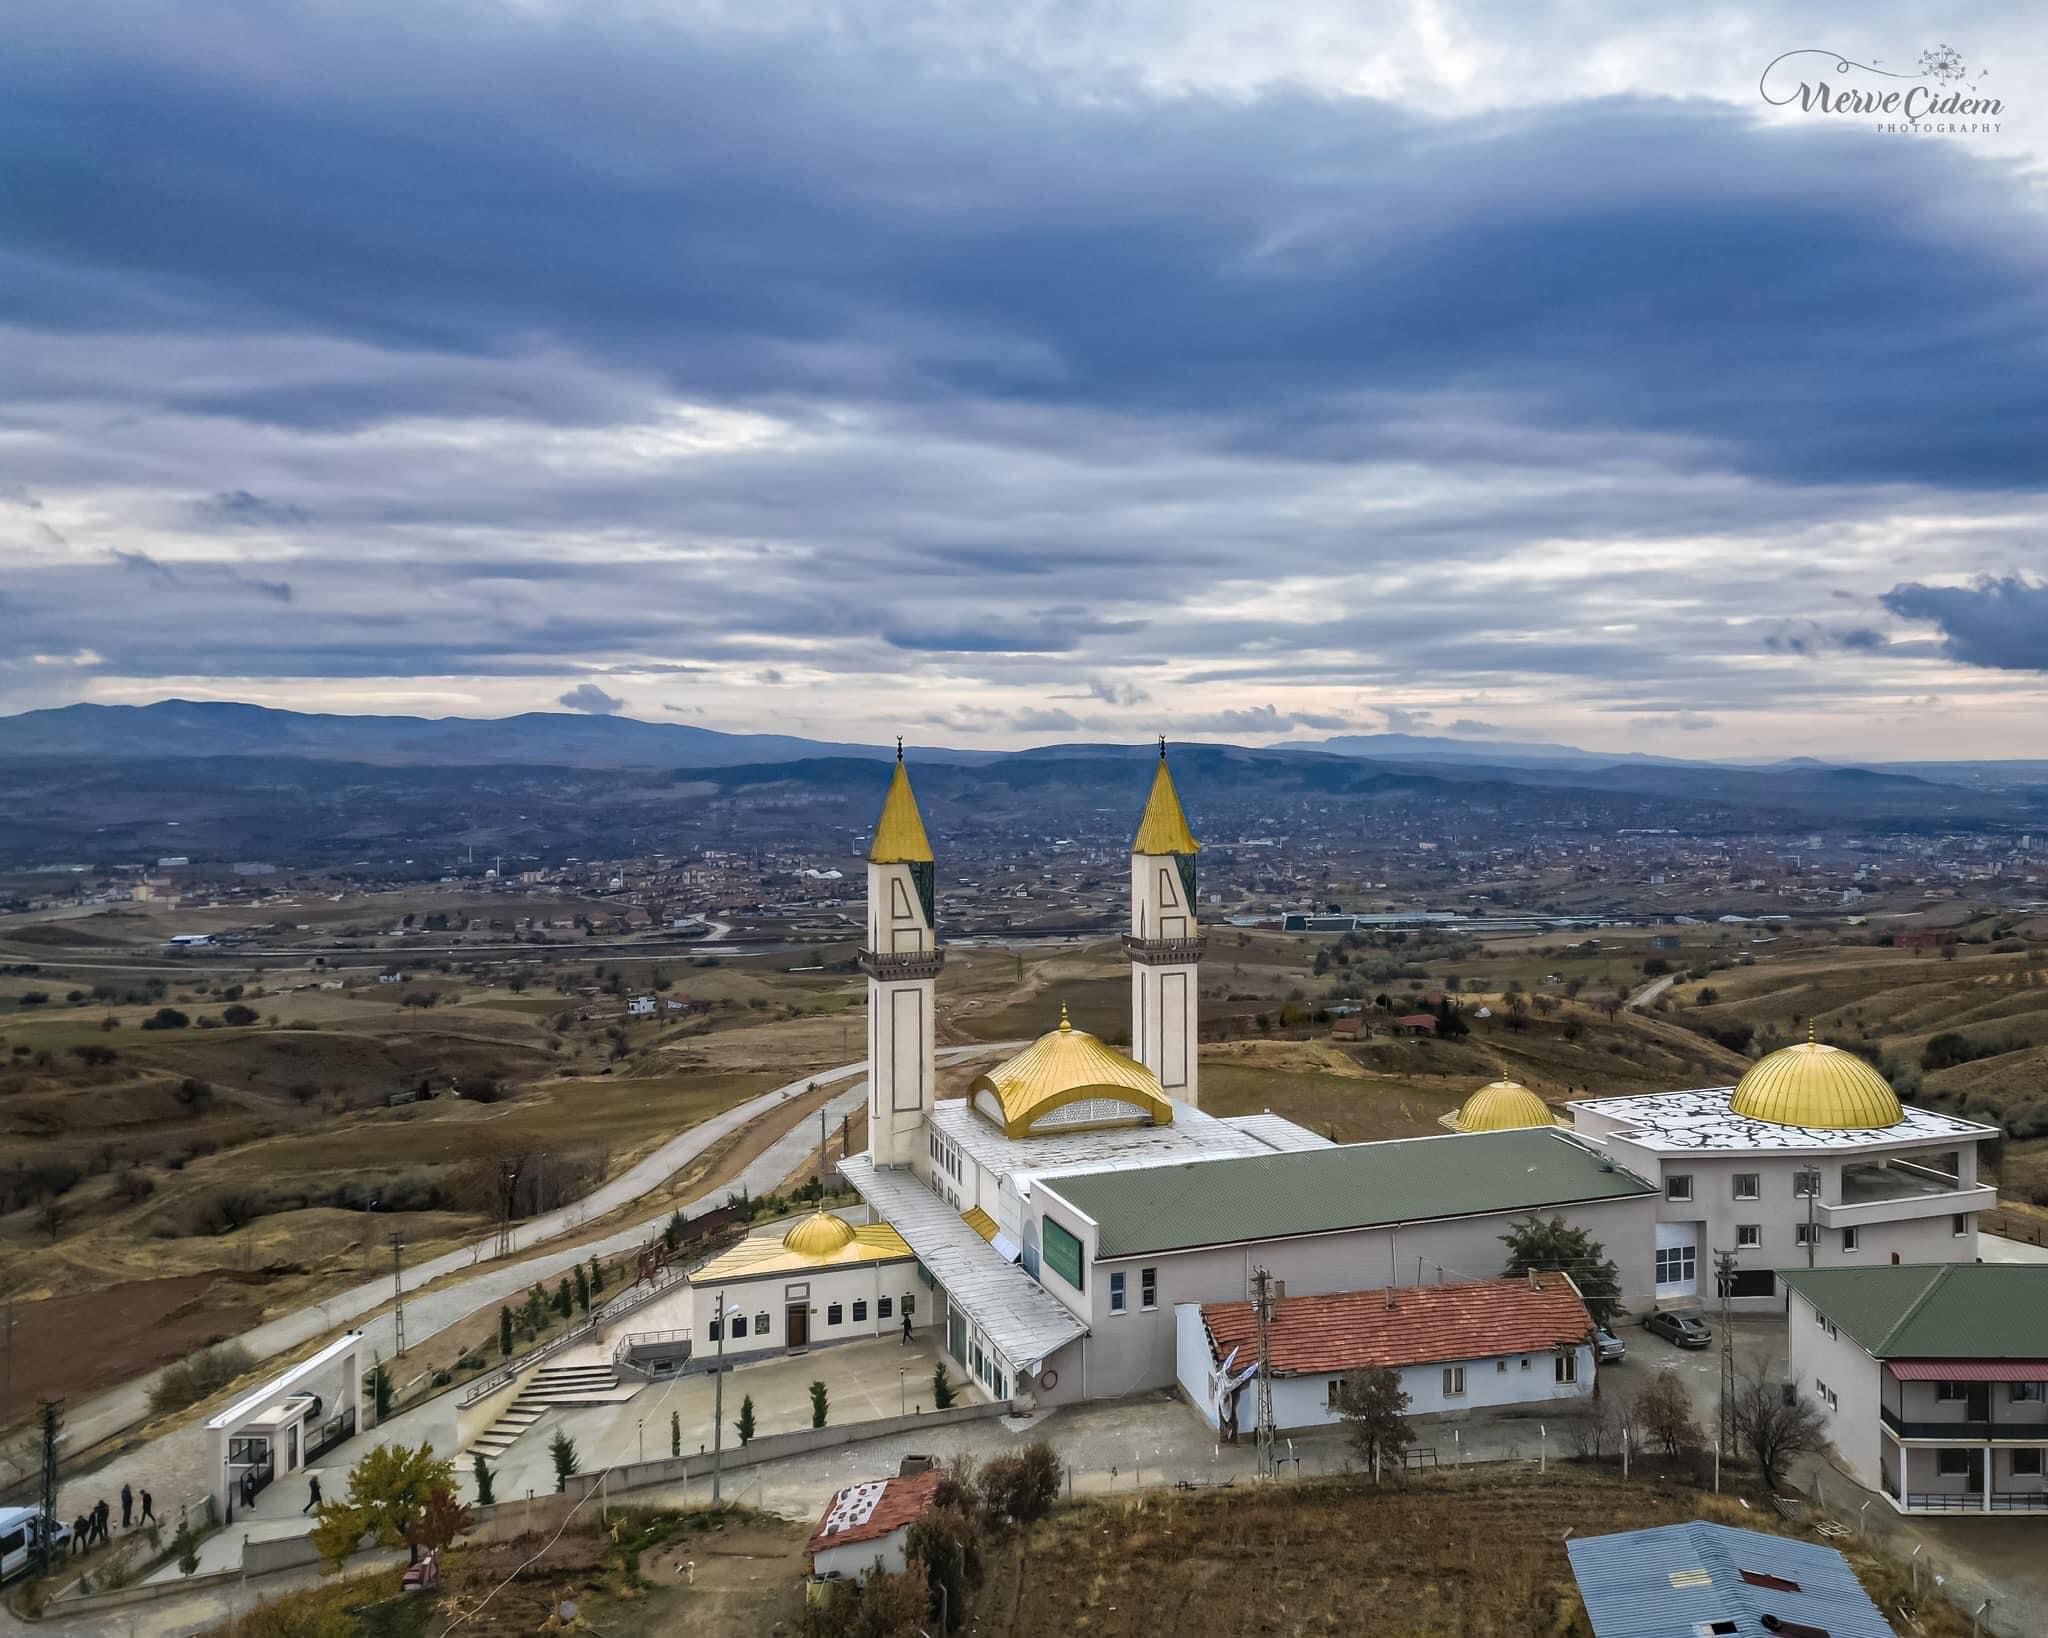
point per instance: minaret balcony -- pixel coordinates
(902, 964)
(1164, 952)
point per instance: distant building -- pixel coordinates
(1701, 1578)
(823, 1280)
(641, 1006)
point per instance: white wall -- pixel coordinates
(771, 1294)
(1853, 1424)
(857, 1562)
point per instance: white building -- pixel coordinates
(279, 1428)
(865, 1525)
(1461, 1346)
(824, 1280)
(1933, 1379)
(1810, 1158)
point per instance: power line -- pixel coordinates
(1262, 1309)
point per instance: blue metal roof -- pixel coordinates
(1679, 1579)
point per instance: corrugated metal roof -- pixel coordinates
(1348, 1186)
(1673, 1581)
(1970, 1370)
(1934, 1310)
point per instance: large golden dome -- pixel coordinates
(1069, 1066)
(1502, 1106)
(1813, 1084)
(819, 1235)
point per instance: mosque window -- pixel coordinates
(739, 1325)
(883, 1307)
(860, 1309)
(834, 1314)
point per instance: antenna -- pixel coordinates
(1262, 1311)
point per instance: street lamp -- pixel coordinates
(725, 1317)
(902, 1392)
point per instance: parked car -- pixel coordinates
(1687, 1330)
(20, 1529)
(1607, 1345)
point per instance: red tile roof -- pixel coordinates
(1351, 1330)
(902, 1502)
(1418, 1020)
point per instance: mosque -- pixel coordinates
(1050, 1222)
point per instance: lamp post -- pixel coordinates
(718, 1401)
(902, 1392)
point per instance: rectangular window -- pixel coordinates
(739, 1325)
(1748, 1236)
(1748, 1185)
(1959, 1225)
(1950, 1463)
(909, 1302)
(860, 1309)
(2026, 1464)
(1802, 1234)
(1849, 1241)
(1454, 1381)
(1148, 1288)
(1330, 1391)
(1502, 1365)
(760, 1325)
(1951, 1393)
(1116, 1293)
(2022, 1392)
(713, 1330)
(1677, 1265)
(1805, 1182)
(1678, 1186)
(833, 1313)
(1525, 1362)
(1568, 1367)
(884, 1306)
(1061, 1251)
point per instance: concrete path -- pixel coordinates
(1995, 1248)
(1649, 992)
(176, 1467)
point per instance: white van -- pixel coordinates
(20, 1528)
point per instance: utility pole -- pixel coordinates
(718, 1404)
(398, 1292)
(1812, 1201)
(1262, 1312)
(7, 1392)
(1724, 1275)
(369, 1206)
(823, 1160)
(53, 1423)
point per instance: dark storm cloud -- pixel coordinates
(590, 698)
(1997, 621)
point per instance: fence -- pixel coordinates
(1869, 1516)
(596, 1320)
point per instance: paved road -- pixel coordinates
(1648, 994)
(177, 1465)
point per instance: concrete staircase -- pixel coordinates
(550, 1387)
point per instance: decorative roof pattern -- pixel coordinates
(1818, 1086)
(1934, 1310)
(1194, 1135)
(1702, 1118)
(899, 833)
(873, 1509)
(1163, 828)
(763, 1254)
(1409, 1325)
(1350, 1186)
(1501, 1106)
(1683, 1578)
(1064, 1066)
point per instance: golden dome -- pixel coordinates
(1502, 1106)
(819, 1235)
(1813, 1084)
(1066, 1066)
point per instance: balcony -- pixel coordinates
(1899, 1193)
(1957, 1501)
(1164, 952)
(899, 965)
(2019, 1430)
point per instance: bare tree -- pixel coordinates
(1774, 1423)
(1663, 1413)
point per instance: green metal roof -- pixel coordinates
(1319, 1191)
(1934, 1310)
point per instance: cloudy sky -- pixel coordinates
(1008, 374)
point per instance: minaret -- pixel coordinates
(902, 962)
(1165, 942)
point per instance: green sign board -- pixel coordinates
(1063, 1254)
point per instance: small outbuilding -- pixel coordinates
(865, 1524)
(1713, 1578)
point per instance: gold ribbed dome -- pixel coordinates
(1502, 1106)
(819, 1235)
(1813, 1084)
(1065, 1066)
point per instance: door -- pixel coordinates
(796, 1324)
(1976, 1472)
(291, 1448)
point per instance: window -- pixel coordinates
(1849, 1241)
(1678, 1186)
(1748, 1185)
(1949, 1463)
(909, 1302)
(1805, 1182)
(1148, 1288)
(1525, 1362)
(1950, 1393)
(1568, 1367)
(713, 1330)
(1748, 1236)
(1502, 1365)
(860, 1309)
(833, 1313)
(1116, 1293)
(1826, 1395)
(1062, 1251)
(884, 1306)
(1454, 1381)
(1332, 1388)
(739, 1325)
(760, 1325)
(2027, 1463)
(1959, 1225)
(1802, 1234)
(1677, 1265)
(2022, 1392)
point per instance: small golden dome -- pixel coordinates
(819, 1235)
(1814, 1084)
(1065, 1066)
(1502, 1106)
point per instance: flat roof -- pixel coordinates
(1191, 1135)
(1934, 1310)
(243, 1409)
(1346, 1186)
(1675, 1122)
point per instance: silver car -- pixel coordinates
(1608, 1346)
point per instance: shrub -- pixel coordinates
(93, 1053)
(166, 1018)
(942, 1390)
(1020, 1487)
(239, 1016)
(191, 1380)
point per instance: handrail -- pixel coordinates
(633, 1297)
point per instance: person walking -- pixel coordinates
(312, 1495)
(906, 1325)
(127, 1507)
(148, 1509)
(81, 1529)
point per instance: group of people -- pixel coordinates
(92, 1528)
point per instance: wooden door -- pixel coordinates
(797, 1325)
